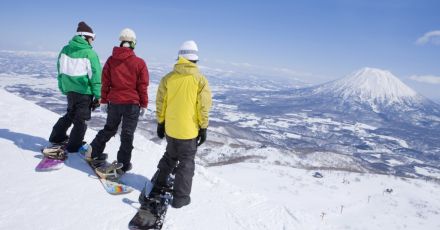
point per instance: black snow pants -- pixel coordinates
(179, 156)
(78, 112)
(129, 115)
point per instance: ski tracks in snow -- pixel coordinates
(235, 207)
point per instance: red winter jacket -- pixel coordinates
(124, 79)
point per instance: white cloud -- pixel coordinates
(292, 72)
(430, 79)
(242, 64)
(273, 71)
(430, 37)
(263, 69)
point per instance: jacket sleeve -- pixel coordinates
(95, 80)
(204, 102)
(60, 84)
(106, 82)
(161, 101)
(142, 86)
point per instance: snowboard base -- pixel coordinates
(53, 157)
(49, 164)
(115, 187)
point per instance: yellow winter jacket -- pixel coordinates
(183, 101)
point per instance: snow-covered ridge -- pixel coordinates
(23, 53)
(371, 85)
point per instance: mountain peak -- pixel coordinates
(371, 85)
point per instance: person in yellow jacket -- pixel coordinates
(183, 102)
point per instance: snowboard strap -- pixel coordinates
(55, 152)
(109, 171)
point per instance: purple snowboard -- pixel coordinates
(48, 164)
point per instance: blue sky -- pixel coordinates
(312, 40)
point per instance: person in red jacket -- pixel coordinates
(124, 97)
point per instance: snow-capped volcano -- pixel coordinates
(369, 92)
(372, 86)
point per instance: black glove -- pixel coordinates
(201, 138)
(161, 130)
(95, 104)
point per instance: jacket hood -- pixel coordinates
(122, 52)
(79, 43)
(183, 66)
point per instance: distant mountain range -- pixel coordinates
(369, 114)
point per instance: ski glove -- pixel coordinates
(201, 138)
(95, 104)
(142, 112)
(161, 130)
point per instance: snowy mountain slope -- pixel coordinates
(371, 115)
(79, 198)
(376, 93)
(237, 196)
(371, 85)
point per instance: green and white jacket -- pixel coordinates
(79, 69)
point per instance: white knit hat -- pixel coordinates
(128, 35)
(189, 50)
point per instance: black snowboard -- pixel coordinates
(151, 214)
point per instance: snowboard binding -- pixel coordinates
(109, 172)
(154, 205)
(56, 151)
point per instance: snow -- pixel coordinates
(394, 162)
(35, 80)
(75, 194)
(371, 85)
(293, 135)
(399, 141)
(428, 171)
(24, 53)
(236, 196)
(282, 124)
(249, 123)
(364, 126)
(361, 197)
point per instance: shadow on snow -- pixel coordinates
(24, 141)
(34, 143)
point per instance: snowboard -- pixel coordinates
(53, 157)
(151, 214)
(113, 186)
(49, 164)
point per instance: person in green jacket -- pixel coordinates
(79, 77)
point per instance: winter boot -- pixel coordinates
(99, 161)
(56, 150)
(124, 169)
(86, 150)
(179, 202)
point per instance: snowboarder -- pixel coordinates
(124, 97)
(182, 109)
(79, 77)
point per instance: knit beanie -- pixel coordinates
(127, 38)
(85, 30)
(189, 50)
